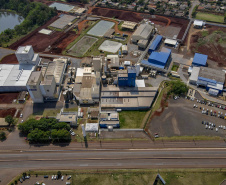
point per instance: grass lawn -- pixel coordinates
(144, 177)
(210, 17)
(50, 112)
(175, 67)
(71, 109)
(131, 119)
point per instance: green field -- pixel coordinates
(131, 119)
(144, 177)
(82, 46)
(210, 17)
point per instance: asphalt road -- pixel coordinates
(18, 161)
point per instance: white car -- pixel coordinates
(62, 178)
(216, 129)
(22, 121)
(21, 115)
(52, 177)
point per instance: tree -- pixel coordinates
(178, 87)
(59, 174)
(9, 119)
(225, 17)
(2, 136)
(152, 11)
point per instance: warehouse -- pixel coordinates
(67, 117)
(13, 77)
(143, 32)
(109, 119)
(158, 60)
(129, 25)
(63, 21)
(127, 98)
(62, 7)
(155, 44)
(199, 60)
(212, 79)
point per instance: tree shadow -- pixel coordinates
(86, 142)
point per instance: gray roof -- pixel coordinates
(15, 75)
(143, 30)
(34, 78)
(213, 74)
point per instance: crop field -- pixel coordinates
(82, 46)
(210, 17)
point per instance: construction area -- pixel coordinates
(167, 26)
(210, 41)
(57, 40)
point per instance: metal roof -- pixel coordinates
(170, 41)
(62, 7)
(199, 23)
(143, 30)
(160, 57)
(199, 59)
(194, 74)
(213, 75)
(15, 75)
(155, 43)
(62, 21)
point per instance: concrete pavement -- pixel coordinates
(18, 161)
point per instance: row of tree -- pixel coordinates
(34, 13)
(45, 130)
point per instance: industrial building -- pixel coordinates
(212, 79)
(127, 98)
(127, 77)
(158, 60)
(67, 117)
(63, 21)
(199, 60)
(143, 32)
(171, 42)
(14, 77)
(45, 84)
(109, 119)
(87, 86)
(155, 43)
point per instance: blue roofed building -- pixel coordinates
(127, 77)
(158, 59)
(199, 60)
(155, 44)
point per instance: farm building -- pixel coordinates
(199, 60)
(158, 60)
(143, 32)
(127, 98)
(155, 44)
(129, 25)
(212, 79)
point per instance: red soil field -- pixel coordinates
(6, 112)
(9, 59)
(215, 51)
(6, 98)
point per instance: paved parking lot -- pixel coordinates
(180, 119)
(47, 181)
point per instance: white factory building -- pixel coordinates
(14, 77)
(45, 84)
(143, 32)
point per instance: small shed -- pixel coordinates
(198, 24)
(170, 42)
(92, 127)
(124, 49)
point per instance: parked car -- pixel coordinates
(69, 177)
(46, 176)
(21, 115)
(62, 178)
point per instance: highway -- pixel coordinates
(17, 161)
